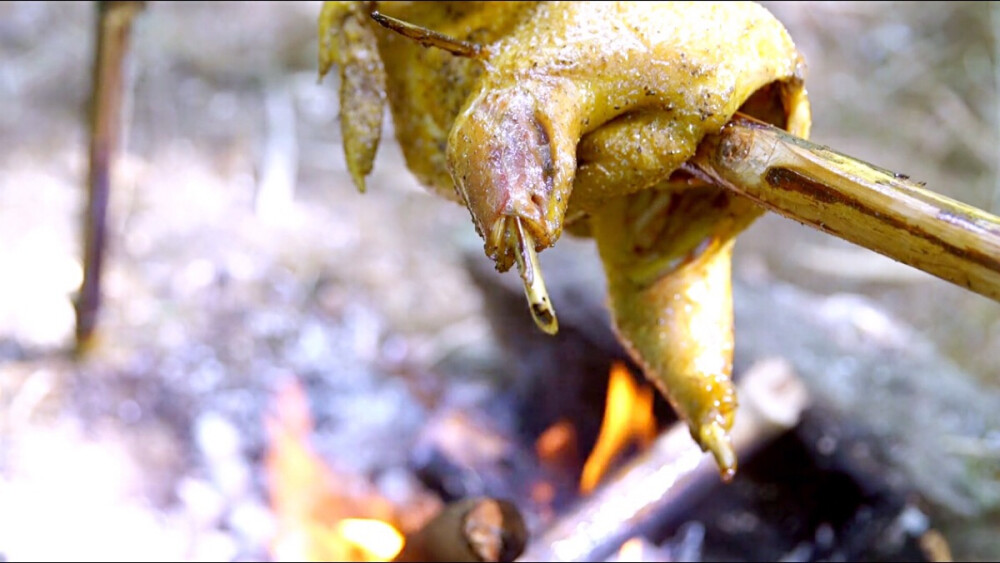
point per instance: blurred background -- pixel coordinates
(244, 271)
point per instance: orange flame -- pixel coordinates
(628, 417)
(309, 500)
(372, 540)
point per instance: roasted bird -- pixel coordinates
(614, 120)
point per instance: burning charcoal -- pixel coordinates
(460, 454)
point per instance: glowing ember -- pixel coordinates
(315, 508)
(628, 417)
(557, 444)
(543, 492)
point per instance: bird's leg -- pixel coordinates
(670, 292)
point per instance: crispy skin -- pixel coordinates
(584, 113)
(557, 72)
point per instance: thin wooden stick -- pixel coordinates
(473, 529)
(113, 31)
(856, 201)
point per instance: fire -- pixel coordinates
(628, 417)
(374, 540)
(320, 516)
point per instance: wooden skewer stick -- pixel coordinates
(473, 529)
(113, 32)
(855, 201)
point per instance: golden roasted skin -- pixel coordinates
(542, 116)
